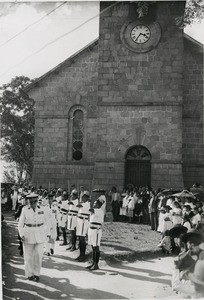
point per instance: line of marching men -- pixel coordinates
(42, 219)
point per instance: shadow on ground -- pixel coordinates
(56, 285)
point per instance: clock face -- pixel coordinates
(140, 34)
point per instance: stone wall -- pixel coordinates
(127, 77)
(70, 86)
(63, 175)
(156, 128)
(140, 99)
(193, 119)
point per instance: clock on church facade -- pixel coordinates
(140, 36)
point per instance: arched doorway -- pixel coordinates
(138, 166)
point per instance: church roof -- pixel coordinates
(195, 46)
(70, 59)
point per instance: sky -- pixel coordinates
(28, 53)
(37, 36)
(28, 44)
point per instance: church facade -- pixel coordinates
(128, 108)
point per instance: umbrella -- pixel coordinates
(177, 230)
(199, 192)
(184, 194)
(167, 192)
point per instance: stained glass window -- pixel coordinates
(77, 135)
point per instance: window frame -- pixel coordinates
(72, 110)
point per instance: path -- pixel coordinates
(64, 278)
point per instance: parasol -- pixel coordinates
(167, 192)
(184, 194)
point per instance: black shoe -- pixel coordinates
(78, 257)
(63, 244)
(69, 248)
(81, 259)
(31, 278)
(90, 266)
(37, 278)
(51, 251)
(95, 267)
(48, 253)
(73, 249)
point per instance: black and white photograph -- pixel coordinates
(102, 149)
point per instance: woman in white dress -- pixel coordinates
(161, 220)
(176, 214)
(168, 224)
(124, 208)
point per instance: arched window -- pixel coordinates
(77, 135)
(138, 153)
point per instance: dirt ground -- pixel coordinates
(124, 272)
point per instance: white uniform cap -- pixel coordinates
(86, 193)
(32, 195)
(74, 192)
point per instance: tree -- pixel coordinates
(10, 176)
(193, 13)
(17, 127)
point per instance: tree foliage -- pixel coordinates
(17, 126)
(10, 176)
(193, 13)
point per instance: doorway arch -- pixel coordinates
(138, 166)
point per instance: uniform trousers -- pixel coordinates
(94, 237)
(49, 245)
(50, 242)
(14, 202)
(33, 254)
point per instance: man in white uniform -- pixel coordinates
(95, 232)
(53, 214)
(102, 199)
(63, 217)
(58, 198)
(72, 218)
(82, 224)
(34, 229)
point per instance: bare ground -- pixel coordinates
(131, 267)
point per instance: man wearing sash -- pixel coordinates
(54, 216)
(63, 217)
(95, 232)
(58, 197)
(72, 218)
(82, 224)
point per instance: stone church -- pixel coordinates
(128, 108)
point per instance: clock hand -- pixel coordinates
(138, 36)
(144, 35)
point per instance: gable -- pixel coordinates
(92, 47)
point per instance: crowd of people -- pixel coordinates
(43, 216)
(179, 218)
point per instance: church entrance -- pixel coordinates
(138, 166)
